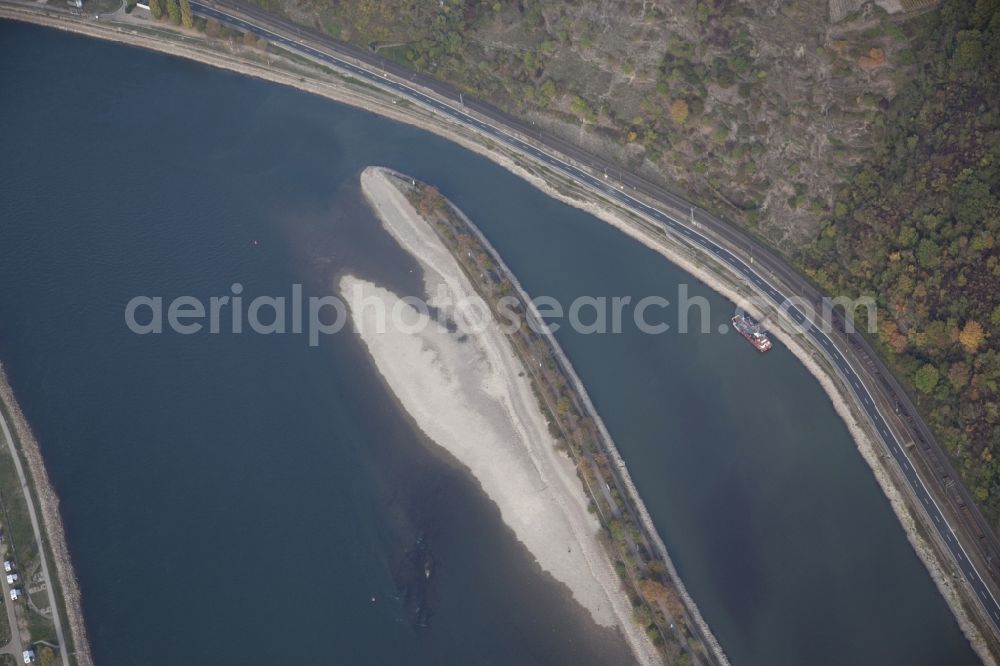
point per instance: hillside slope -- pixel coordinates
(755, 109)
(919, 227)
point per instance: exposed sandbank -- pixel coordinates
(467, 390)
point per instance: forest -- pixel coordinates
(918, 227)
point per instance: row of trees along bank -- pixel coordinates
(656, 602)
(179, 12)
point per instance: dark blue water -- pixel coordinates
(241, 498)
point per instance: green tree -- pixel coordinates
(928, 253)
(642, 615)
(969, 52)
(547, 93)
(580, 107)
(46, 656)
(187, 18)
(174, 12)
(155, 8)
(926, 378)
(907, 236)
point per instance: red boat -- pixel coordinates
(752, 331)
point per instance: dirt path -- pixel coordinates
(14, 646)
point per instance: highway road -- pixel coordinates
(685, 232)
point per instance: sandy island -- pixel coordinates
(467, 390)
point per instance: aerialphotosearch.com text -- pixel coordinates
(317, 316)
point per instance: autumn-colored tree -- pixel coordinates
(972, 336)
(874, 58)
(563, 406)
(430, 200)
(658, 567)
(659, 593)
(653, 591)
(889, 332)
(679, 111)
(187, 18)
(212, 28)
(155, 8)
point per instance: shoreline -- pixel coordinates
(53, 532)
(468, 392)
(715, 279)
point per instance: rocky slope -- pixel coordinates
(757, 110)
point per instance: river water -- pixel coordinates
(252, 499)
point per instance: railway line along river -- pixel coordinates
(243, 498)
